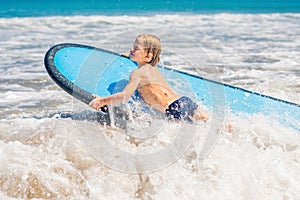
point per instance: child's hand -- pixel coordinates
(127, 55)
(97, 102)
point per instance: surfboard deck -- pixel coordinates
(84, 70)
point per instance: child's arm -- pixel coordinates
(119, 97)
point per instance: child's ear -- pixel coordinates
(149, 57)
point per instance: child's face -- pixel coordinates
(138, 53)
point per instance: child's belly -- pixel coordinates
(158, 96)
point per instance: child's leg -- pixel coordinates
(201, 114)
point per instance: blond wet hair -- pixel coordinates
(152, 45)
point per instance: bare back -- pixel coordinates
(154, 89)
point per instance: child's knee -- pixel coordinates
(201, 115)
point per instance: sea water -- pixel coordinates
(43, 156)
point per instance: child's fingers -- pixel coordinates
(91, 103)
(125, 55)
(94, 105)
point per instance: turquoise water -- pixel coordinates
(30, 8)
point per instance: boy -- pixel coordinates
(151, 85)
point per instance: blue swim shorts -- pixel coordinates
(182, 109)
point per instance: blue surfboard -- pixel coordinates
(84, 70)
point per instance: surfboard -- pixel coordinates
(83, 70)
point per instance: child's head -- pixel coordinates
(151, 45)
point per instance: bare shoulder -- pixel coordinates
(136, 74)
(141, 70)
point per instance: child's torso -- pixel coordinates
(154, 89)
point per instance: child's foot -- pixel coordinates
(229, 128)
